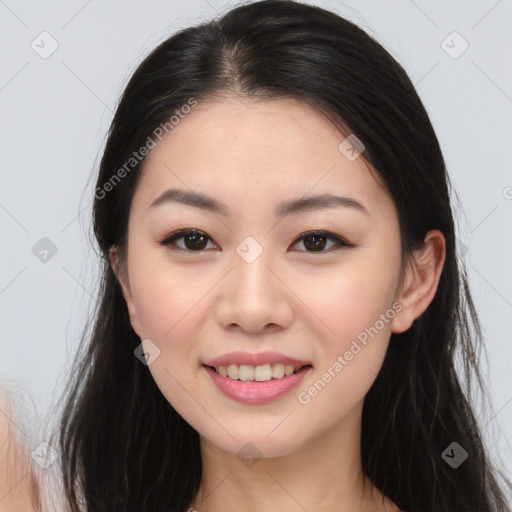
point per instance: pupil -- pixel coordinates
(316, 244)
(195, 236)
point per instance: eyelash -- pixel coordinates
(169, 240)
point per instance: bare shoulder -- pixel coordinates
(19, 486)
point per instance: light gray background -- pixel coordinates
(55, 113)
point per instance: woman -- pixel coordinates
(282, 299)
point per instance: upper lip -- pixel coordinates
(256, 359)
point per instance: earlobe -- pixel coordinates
(421, 280)
(122, 278)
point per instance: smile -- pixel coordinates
(240, 383)
(260, 373)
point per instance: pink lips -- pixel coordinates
(252, 392)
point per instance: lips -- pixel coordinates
(253, 392)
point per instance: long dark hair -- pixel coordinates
(123, 446)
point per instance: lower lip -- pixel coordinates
(253, 392)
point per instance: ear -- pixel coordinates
(121, 273)
(420, 281)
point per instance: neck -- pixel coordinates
(326, 474)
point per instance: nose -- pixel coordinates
(256, 297)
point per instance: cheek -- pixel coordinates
(349, 303)
(356, 305)
(352, 348)
(168, 305)
(165, 296)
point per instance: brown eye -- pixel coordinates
(315, 241)
(194, 240)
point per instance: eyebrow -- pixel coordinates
(210, 204)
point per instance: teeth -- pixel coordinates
(262, 373)
(246, 372)
(278, 370)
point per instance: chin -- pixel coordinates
(249, 445)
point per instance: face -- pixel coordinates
(254, 281)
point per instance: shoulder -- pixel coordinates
(19, 486)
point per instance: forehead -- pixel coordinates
(231, 146)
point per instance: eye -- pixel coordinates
(317, 240)
(196, 240)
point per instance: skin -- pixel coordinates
(19, 484)
(194, 306)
